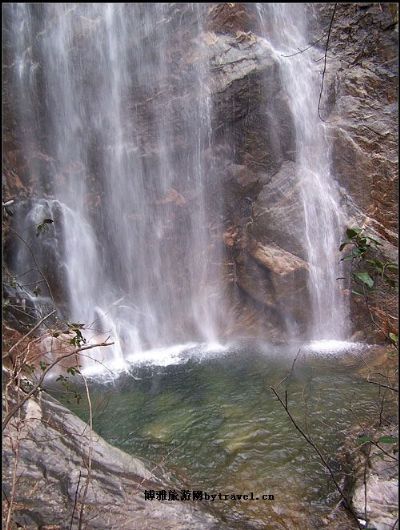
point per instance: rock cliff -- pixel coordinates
(360, 106)
(252, 151)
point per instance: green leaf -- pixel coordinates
(394, 338)
(365, 278)
(357, 292)
(43, 365)
(359, 251)
(376, 263)
(387, 440)
(391, 266)
(353, 232)
(363, 439)
(43, 226)
(72, 370)
(373, 240)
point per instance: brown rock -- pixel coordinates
(276, 279)
(230, 236)
(172, 196)
(277, 260)
(231, 18)
(361, 109)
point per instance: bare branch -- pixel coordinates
(29, 333)
(304, 49)
(325, 57)
(321, 456)
(89, 463)
(75, 500)
(291, 370)
(384, 386)
(36, 263)
(43, 375)
(14, 475)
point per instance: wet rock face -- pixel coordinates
(252, 147)
(254, 144)
(251, 123)
(365, 110)
(230, 18)
(34, 251)
(361, 108)
(52, 471)
(277, 279)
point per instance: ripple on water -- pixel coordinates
(216, 423)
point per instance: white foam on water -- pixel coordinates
(109, 369)
(332, 347)
(178, 353)
(163, 356)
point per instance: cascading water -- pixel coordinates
(285, 27)
(115, 100)
(137, 234)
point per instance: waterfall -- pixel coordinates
(135, 208)
(114, 112)
(285, 27)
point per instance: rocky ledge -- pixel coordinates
(53, 447)
(374, 479)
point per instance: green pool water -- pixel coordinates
(217, 427)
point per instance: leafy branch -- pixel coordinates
(38, 384)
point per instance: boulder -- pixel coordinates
(54, 447)
(278, 211)
(375, 495)
(275, 279)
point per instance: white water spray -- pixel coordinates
(323, 223)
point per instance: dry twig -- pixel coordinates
(320, 455)
(43, 375)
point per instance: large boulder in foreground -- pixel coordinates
(53, 451)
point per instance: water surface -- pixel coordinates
(216, 425)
